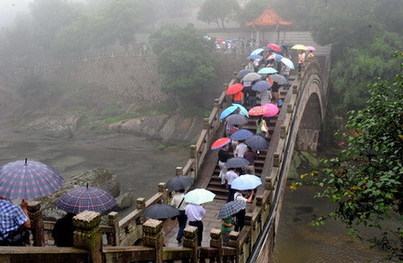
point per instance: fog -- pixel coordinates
(10, 9)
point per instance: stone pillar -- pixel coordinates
(87, 234)
(36, 217)
(162, 189)
(179, 170)
(190, 241)
(283, 131)
(153, 237)
(276, 159)
(113, 221)
(216, 242)
(193, 151)
(206, 124)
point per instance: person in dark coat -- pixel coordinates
(62, 233)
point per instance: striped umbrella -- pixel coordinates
(231, 208)
(257, 142)
(86, 198)
(240, 135)
(28, 180)
(237, 119)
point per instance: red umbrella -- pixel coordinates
(220, 143)
(274, 47)
(233, 89)
(258, 110)
(272, 110)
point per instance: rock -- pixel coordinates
(55, 127)
(124, 201)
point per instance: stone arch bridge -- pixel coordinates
(132, 239)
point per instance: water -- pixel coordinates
(298, 242)
(138, 162)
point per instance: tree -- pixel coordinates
(186, 60)
(252, 10)
(366, 179)
(217, 11)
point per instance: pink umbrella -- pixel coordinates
(272, 110)
(258, 110)
(310, 48)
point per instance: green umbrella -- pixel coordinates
(199, 196)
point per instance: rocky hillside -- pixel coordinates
(99, 94)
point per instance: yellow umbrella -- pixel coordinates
(299, 46)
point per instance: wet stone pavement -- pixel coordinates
(210, 222)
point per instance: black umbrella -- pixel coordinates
(242, 73)
(237, 119)
(257, 142)
(236, 162)
(179, 182)
(160, 211)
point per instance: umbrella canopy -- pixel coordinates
(199, 196)
(288, 44)
(160, 211)
(237, 119)
(220, 143)
(179, 182)
(250, 77)
(231, 208)
(86, 198)
(257, 51)
(236, 162)
(242, 73)
(276, 57)
(310, 48)
(28, 179)
(280, 79)
(299, 47)
(242, 109)
(234, 88)
(228, 111)
(272, 109)
(254, 57)
(261, 85)
(246, 182)
(267, 70)
(274, 47)
(288, 63)
(241, 135)
(257, 142)
(257, 111)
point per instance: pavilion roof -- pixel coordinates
(269, 18)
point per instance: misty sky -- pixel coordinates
(10, 8)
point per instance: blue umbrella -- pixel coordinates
(261, 85)
(288, 63)
(236, 162)
(257, 142)
(242, 109)
(227, 111)
(243, 72)
(237, 119)
(240, 135)
(255, 57)
(246, 182)
(276, 57)
(231, 208)
(257, 51)
(268, 70)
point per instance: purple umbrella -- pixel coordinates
(86, 198)
(280, 79)
(240, 135)
(261, 85)
(257, 142)
(237, 119)
(28, 180)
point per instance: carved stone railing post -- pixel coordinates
(290, 108)
(36, 217)
(87, 234)
(113, 221)
(190, 241)
(216, 242)
(269, 184)
(140, 205)
(217, 104)
(206, 124)
(154, 237)
(162, 189)
(233, 242)
(283, 131)
(276, 160)
(248, 219)
(193, 151)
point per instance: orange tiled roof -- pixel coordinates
(269, 18)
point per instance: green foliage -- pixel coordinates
(186, 60)
(365, 180)
(217, 11)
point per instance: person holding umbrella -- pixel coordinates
(223, 156)
(240, 216)
(251, 156)
(14, 221)
(178, 202)
(229, 177)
